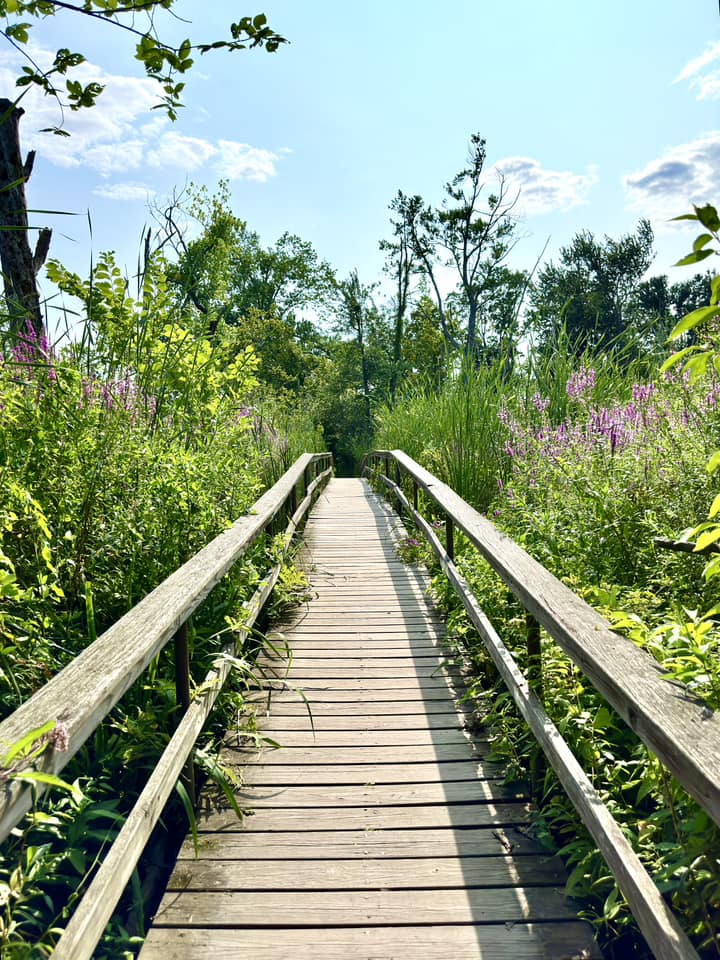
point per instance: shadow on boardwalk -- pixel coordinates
(379, 829)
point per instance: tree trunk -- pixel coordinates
(19, 264)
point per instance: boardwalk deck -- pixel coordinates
(379, 829)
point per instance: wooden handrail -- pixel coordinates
(81, 694)
(86, 925)
(676, 725)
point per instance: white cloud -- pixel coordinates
(703, 80)
(176, 150)
(108, 158)
(120, 135)
(543, 191)
(240, 161)
(124, 191)
(684, 174)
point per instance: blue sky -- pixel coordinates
(600, 113)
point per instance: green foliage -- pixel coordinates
(121, 455)
(584, 461)
(472, 236)
(592, 293)
(702, 359)
(162, 62)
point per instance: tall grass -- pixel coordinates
(585, 461)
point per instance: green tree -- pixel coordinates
(468, 234)
(660, 305)
(356, 306)
(399, 266)
(226, 272)
(591, 293)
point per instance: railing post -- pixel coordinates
(182, 696)
(398, 481)
(293, 501)
(534, 655)
(306, 479)
(387, 466)
(449, 537)
(415, 497)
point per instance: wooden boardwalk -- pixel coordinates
(378, 829)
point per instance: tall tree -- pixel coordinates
(355, 306)
(226, 272)
(399, 265)
(20, 264)
(590, 293)
(470, 234)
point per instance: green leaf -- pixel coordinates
(715, 508)
(695, 257)
(680, 355)
(707, 538)
(702, 241)
(22, 746)
(708, 217)
(715, 290)
(713, 463)
(47, 779)
(692, 320)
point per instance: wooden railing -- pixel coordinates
(92, 684)
(676, 725)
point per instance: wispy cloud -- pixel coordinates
(684, 174)
(541, 190)
(124, 191)
(176, 150)
(240, 161)
(703, 73)
(121, 135)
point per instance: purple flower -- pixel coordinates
(580, 383)
(59, 737)
(642, 392)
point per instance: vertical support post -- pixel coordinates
(182, 696)
(534, 652)
(415, 496)
(387, 467)
(293, 500)
(398, 481)
(306, 480)
(449, 537)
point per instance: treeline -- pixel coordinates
(344, 346)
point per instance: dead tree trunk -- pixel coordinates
(19, 264)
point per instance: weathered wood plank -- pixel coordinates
(314, 774)
(353, 727)
(378, 795)
(372, 756)
(387, 908)
(286, 705)
(317, 873)
(370, 817)
(344, 844)
(519, 941)
(337, 739)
